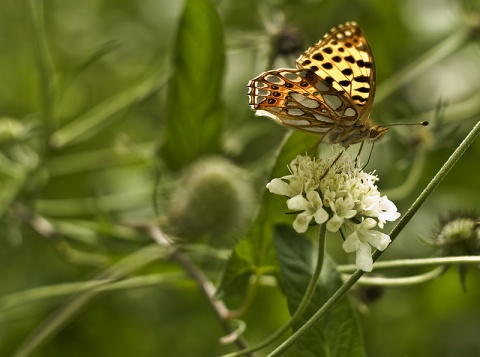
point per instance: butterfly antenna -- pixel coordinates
(423, 123)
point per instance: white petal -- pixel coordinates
(334, 223)
(363, 259)
(344, 207)
(329, 197)
(352, 243)
(301, 222)
(298, 203)
(377, 239)
(314, 198)
(279, 187)
(296, 186)
(320, 216)
(368, 224)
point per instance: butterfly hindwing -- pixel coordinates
(310, 104)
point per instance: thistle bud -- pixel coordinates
(458, 233)
(213, 201)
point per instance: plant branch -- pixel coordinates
(207, 288)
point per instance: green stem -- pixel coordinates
(444, 49)
(36, 295)
(404, 263)
(251, 294)
(452, 160)
(394, 233)
(60, 317)
(43, 62)
(318, 315)
(404, 281)
(303, 304)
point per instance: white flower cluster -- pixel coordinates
(338, 193)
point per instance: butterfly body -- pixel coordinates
(330, 93)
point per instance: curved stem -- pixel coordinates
(252, 293)
(409, 280)
(403, 263)
(303, 304)
(393, 234)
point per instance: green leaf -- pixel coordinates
(254, 255)
(194, 109)
(338, 334)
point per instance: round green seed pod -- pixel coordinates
(458, 233)
(213, 201)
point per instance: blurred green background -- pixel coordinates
(91, 143)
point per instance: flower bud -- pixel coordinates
(458, 234)
(214, 201)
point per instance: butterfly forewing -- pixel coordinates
(344, 59)
(330, 93)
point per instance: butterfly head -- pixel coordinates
(375, 132)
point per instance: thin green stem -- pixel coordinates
(318, 315)
(404, 281)
(452, 160)
(56, 320)
(404, 263)
(393, 234)
(43, 62)
(45, 70)
(450, 45)
(35, 295)
(303, 304)
(251, 294)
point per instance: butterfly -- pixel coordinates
(330, 93)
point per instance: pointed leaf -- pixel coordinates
(338, 333)
(194, 110)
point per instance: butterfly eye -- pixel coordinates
(376, 132)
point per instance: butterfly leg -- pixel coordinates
(314, 148)
(359, 152)
(369, 156)
(333, 163)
